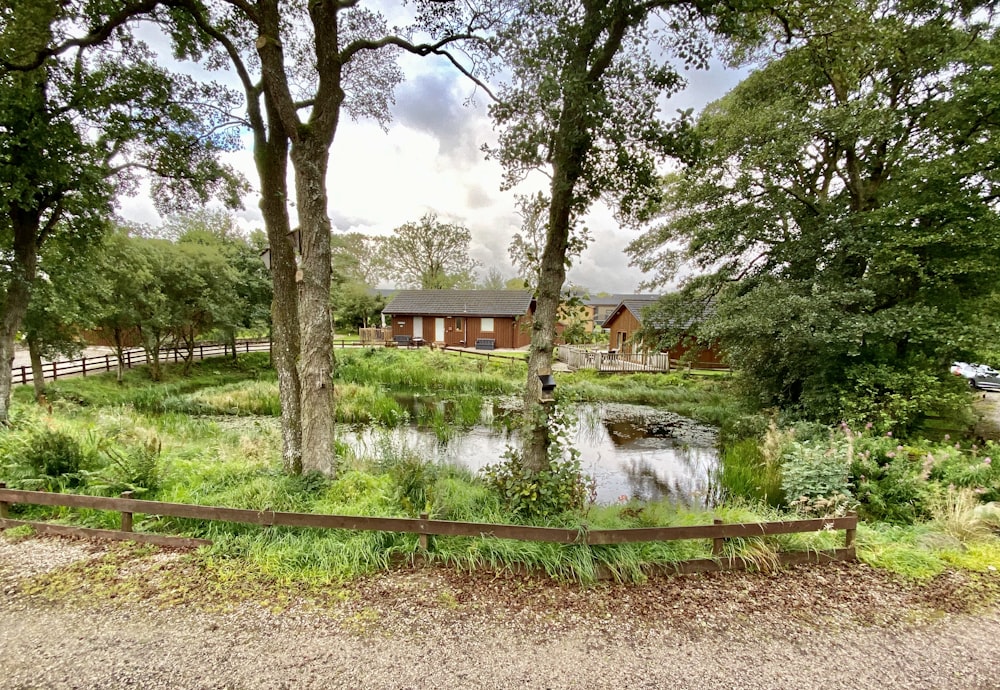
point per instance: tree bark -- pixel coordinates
(15, 300)
(316, 325)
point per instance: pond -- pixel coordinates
(631, 451)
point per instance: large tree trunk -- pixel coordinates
(15, 300)
(566, 169)
(37, 375)
(316, 325)
(271, 153)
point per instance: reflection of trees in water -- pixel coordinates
(682, 479)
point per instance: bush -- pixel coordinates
(136, 468)
(815, 478)
(55, 460)
(560, 488)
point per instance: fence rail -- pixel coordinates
(577, 358)
(717, 532)
(134, 357)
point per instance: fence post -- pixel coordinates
(424, 538)
(201, 352)
(850, 533)
(24, 377)
(83, 364)
(4, 513)
(55, 372)
(128, 356)
(719, 542)
(126, 516)
(107, 362)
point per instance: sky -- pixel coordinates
(429, 159)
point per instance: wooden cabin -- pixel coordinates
(627, 319)
(483, 319)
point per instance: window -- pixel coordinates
(458, 323)
(486, 324)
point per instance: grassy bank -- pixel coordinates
(211, 439)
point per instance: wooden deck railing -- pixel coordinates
(717, 532)
(577, 358)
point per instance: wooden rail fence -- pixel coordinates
(134, 357)
(577, 358)
(425, 527)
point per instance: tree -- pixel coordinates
(581, 104)
(845, 256)
(356, 265)
(431, 255)
(81, 118)
(493, 280)
(315, 61)
(242, 255)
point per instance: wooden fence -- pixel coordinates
(483, 353)
(717, 532)
(135, 357)
(577, 358)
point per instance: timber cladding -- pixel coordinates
(458, 318)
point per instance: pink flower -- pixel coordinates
(890, 454)
(868, 425)
(623, 498)
(987, 461)
(958, 446)
(899, 449)
(947, 437)
(889, 434)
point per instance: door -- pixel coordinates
(418, 327)
(439, 330)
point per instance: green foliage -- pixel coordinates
(815, 478)
(846, 253)
(56, 460)
(431, 255)
(745, 473)
(136, 468)
(560, 488)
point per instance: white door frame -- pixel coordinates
(439, 329)
(418, 327)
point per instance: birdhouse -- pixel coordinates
(548, 382)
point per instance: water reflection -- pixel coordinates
(631, 450)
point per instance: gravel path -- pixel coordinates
(841, 626)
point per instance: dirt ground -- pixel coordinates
(987, 405)
(83, 615)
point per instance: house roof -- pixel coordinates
(611, 300)
(512, 303)
(634, 304)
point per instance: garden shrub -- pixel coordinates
(815, 478)
(55, 461)
(137, 468)
(561, 487)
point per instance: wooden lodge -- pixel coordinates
(483, 319)
(626, 320)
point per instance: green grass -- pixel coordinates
(216, 450)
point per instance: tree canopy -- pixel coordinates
(430, 254)
(842, 215)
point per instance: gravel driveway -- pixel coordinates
(839, 626)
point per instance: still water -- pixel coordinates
(632, 451)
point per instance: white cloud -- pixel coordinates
(430, 160)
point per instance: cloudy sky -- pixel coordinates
(430, 159)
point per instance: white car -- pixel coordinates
(979, 376)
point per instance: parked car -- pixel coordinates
(979, 376)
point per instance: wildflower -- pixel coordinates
(947, 437)
(868, 425)
(958, 446)
(889, 434)
(890, 454)
(987, 461)
(623, 498)
(899, 449)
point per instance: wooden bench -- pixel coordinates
(401, 340)
(486, 343)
